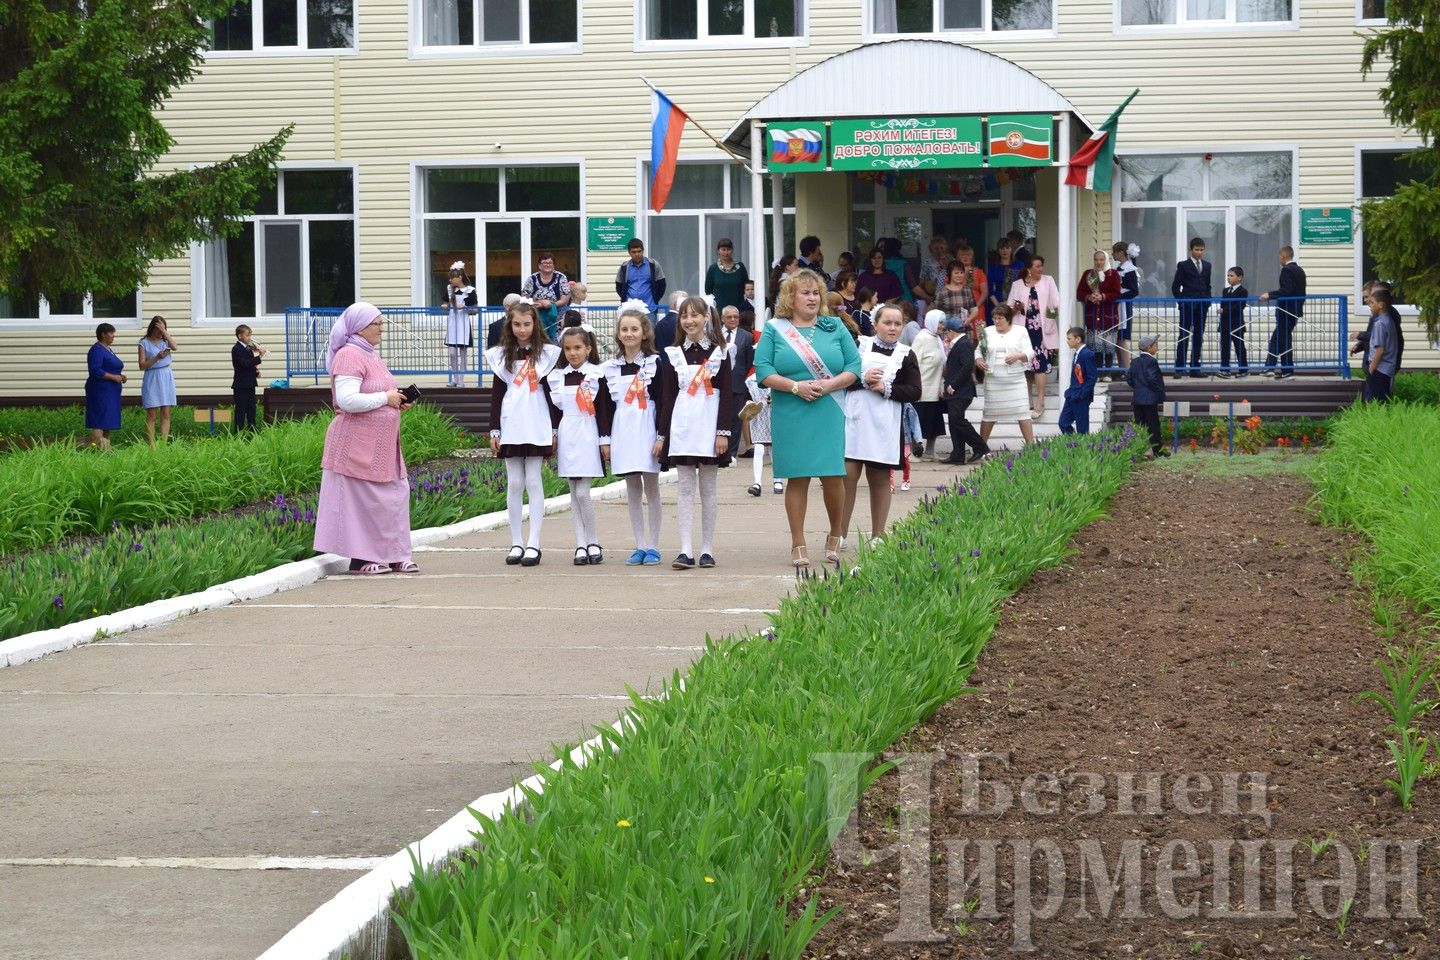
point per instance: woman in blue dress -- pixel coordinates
(808, 360)
(157, 390)
(102, 387)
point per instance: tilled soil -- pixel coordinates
(1171, 718)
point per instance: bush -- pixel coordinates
(1418, 386)
(53, 492)
(692, 836)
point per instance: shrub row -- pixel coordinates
(56, 491)
(692, 837)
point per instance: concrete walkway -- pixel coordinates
(145, 780)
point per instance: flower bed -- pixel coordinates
(53, 492)
(127, 567)
(694, 836)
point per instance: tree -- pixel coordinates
(82, 84)
(1403, 231)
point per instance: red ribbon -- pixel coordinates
(527, 372)
(584, 400)
(637, 392)
(702, 376)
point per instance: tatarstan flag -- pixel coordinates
(1020, 140)
(1092, 164)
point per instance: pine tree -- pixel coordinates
(82, 84)
(1403, 231)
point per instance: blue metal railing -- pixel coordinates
(414, 340)
(1273, 335)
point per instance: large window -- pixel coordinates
(967, 16)
(1201, 13)
(298, 250)
(69, 307)
(489, 23)
(497, 220)
(710, 200)
(1382, 172)
(723, 20)
(1241, 204)
(285, 25)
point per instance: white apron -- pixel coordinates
(524, 411)
(692, 422)
(632, 433)
(457, 326)
(577, 452)
(872, 422)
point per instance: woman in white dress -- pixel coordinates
(1005, 355)
(460, 301)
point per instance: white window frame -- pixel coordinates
(302, 38)
(419, 271)
(198, 316)
(1118, 206)
(1358, 307)
(704, 41)
(1363, 21)
(419, 50)
(643, 214)
(1227, 24)
(987, 33)
(85, 320)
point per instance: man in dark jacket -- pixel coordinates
(1192, 283)
(1289, 308)
(959, 390)
(1146, 380)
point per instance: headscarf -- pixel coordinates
(347, 329)
(933, 320)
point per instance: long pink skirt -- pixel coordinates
(362, 519)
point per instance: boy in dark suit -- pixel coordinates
(1146, 380)
(245, 358)
(1289, 308)
(1192, 282)
(1075, 414)
(959, 381)
(1232, 323)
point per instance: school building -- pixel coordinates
(429, 131)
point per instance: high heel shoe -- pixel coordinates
(833, 546)
(799, 558)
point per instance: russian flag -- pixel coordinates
(800, 145)
(667, 123)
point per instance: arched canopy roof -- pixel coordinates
(902, 78)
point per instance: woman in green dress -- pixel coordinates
(808, 360)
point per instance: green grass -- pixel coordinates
(53, 492)
(1266, 463)
(1380, 474)
(692, 838)
(24, 427)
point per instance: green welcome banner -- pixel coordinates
(906, 143)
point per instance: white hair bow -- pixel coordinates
(709, 299)
(1133, 251)
(458, 265)
(587, 328)
(527, 301)
(635, 306)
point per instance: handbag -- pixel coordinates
(751, 410)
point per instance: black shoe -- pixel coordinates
(953, 461)
(754, 490)
(979, 455)
(1224, 375)
(683, 562)
(747, 455)
(582, 559)
(596, 555)
(513, 557)
(706, 560)
(531, 557)
(1284, 376)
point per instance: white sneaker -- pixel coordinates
(779, 487)
(904, 484)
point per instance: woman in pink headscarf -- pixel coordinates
(364, 510)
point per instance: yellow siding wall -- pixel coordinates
(385, 111)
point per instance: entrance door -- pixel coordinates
(978, 227)
(504, 260)
(1208, 225)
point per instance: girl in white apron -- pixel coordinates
(521, 432)
(459, 295)
(577, 390)
(628, 435)
(695, 413)
(889, 378)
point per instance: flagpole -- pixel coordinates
(731, 153)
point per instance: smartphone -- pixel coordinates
(411, 393)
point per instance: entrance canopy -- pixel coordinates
(906, 78)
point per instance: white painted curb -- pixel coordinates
(289, 576)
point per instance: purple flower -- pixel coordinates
(137, 547)
(1045, 454)
(768, 633)
(975, 552)
(58, 602)
(934, 568)
(940, 487)
(1010, 465)
(309, 515)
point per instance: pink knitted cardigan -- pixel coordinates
(365, 446)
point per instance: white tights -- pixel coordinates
(523, 476)
(707, 475)
(759, 462)
(647, 536)
(582, 512)
(457, 365)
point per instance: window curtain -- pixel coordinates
(886, 18)
(217, 278)
(442, 23)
